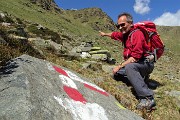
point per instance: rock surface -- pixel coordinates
(36, 89)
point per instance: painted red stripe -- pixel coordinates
(93, 88)
(74, 94)
(61, 71)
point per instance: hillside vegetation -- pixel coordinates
(26, 20)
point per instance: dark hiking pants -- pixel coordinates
(135, 74)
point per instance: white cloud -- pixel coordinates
(141, 6)
(168, 19)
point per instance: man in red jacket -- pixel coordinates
(136, 66)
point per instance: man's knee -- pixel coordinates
(123, 78)
(130, 66)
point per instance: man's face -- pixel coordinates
(123, 25)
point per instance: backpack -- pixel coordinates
(156, 45)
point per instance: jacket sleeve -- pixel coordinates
(117, 36)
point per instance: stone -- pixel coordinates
(36, 89)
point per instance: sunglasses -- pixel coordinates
(120, 25)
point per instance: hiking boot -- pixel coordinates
(148, 103)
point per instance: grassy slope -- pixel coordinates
(53, 21)
(170, 36)
(65, 24)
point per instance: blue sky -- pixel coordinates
(162, 12)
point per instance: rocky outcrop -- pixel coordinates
(35, 89)
(87, 50)
(88, 14)
(46, 4)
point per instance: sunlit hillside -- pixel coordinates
(26, 21)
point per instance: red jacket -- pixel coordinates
(135, 44)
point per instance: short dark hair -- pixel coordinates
(128, 16)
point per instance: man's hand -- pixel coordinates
(123, 64)
(117, 68)
(105, 34)
(101, 33)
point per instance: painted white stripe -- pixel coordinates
(75, 77)
(68, 82)
(50, 67)
(60, 102)
(80, 111)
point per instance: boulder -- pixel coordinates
(99, 52)
(35, 89)
(102, 57)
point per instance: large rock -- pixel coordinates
(35, 89)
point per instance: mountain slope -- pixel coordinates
(69, 28)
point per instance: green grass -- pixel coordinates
(170, 37)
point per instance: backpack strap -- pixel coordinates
(149, 42)
(130, 34)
